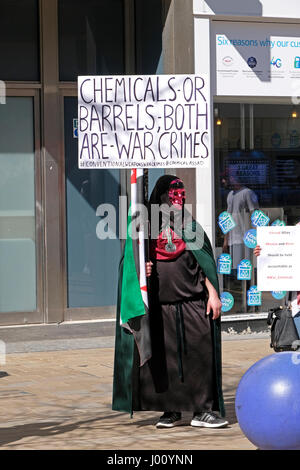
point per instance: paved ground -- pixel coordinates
(62, 400)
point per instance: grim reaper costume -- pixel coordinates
(184, 371)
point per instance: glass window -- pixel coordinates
(91, 38)
(257, 166)
(17, 206)
(19, 40)
(149, 28)
(92, 261)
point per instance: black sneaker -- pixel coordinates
(208, 419)
(169, 419)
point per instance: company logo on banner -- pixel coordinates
(265, 59)
(297, 62)
(276, 63)
(228, 61)
(252, 62)
(143, 121)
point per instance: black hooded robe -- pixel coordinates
(184, 373)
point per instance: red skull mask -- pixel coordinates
(177, 193)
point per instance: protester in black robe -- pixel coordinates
(184, 372)
(179, 376)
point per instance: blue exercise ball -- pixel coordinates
(267, 402)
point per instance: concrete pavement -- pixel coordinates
(62, 400)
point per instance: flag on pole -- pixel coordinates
(137, 197)
(134, 308)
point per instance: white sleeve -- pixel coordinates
(251, 200)
(229, 202)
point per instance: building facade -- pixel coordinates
(53, 266)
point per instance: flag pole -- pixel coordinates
(137, 197)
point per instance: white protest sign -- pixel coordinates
(143, 121)
(278, 266)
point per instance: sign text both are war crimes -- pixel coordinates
(143, 121)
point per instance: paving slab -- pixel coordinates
(62, 400)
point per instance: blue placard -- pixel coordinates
(253, 297)
(226, 222)
(278, 222)
(244, 270)
(227, 301)
(259, 219)
(224, 264)
(279, 294)
(250, 238)
(75, 128)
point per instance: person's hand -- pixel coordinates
(257, 250)
(214, 304)
(149, 265)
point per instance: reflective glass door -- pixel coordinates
(92, 255)
(20, 265)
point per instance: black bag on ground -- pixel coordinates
(284, 335)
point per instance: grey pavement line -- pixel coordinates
(98, 342)
(57, 324)
(60, 344)
(241, 336)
